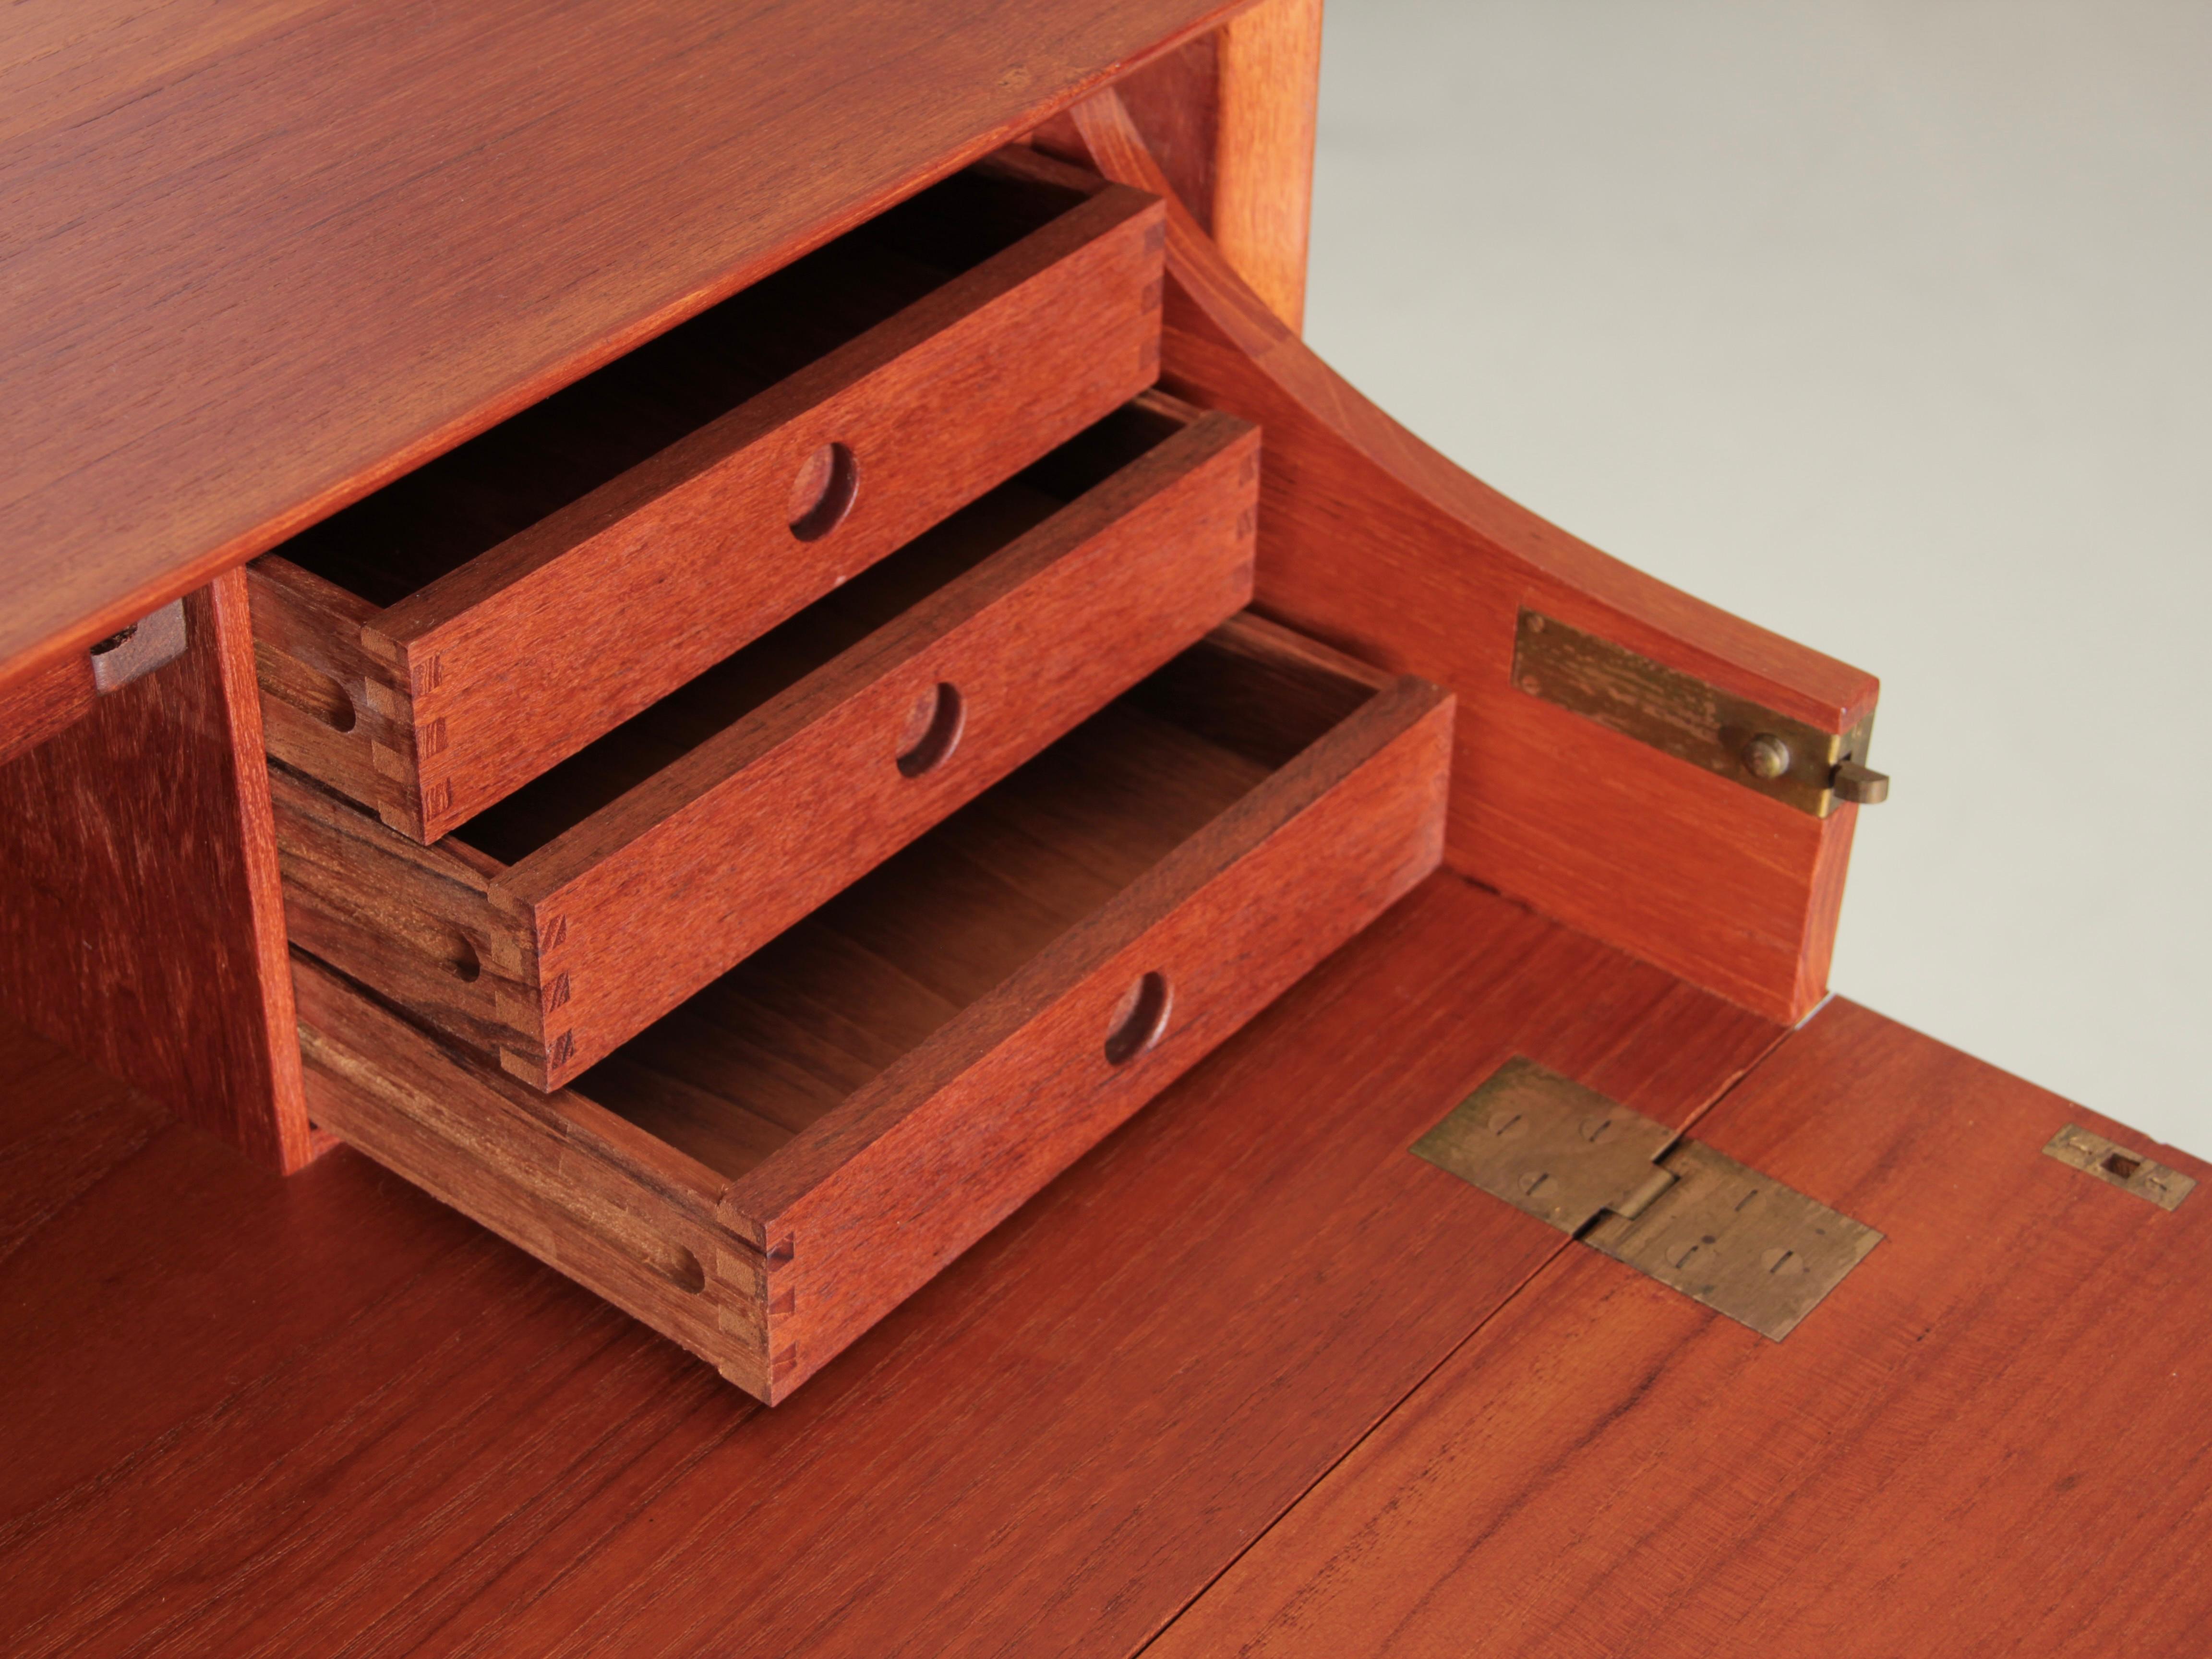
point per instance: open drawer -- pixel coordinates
(768, 1170)
(430, 649)
(566, 919)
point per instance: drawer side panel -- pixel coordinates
(422, 1115)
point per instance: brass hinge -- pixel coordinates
(1676, 713)
(1713, 1229)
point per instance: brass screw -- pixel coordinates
(1766, 756)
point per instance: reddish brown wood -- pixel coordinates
(1369, 539)
(611, 1208)
(259, 268)
(1268, 103)
(527, 612)
(254, 1417)
(1230, 119)
(1988, 1440)
(33, 708)
(1228, 922)
(1175, 101)
(316, 711)
(565, 921)
(63, 1127)
(143, 926)
(863, 1100)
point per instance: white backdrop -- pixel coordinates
(1888, 325)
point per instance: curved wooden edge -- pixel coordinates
(1371, 539)
(1219, 307)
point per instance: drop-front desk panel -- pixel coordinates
(766, 889)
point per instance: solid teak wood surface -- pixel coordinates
(334, 240)
(1990, 1438)
(1051, 1449)
(141, 920)
(777, 806)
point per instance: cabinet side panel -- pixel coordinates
(141, 922)
(35, 706)
(1375, 543)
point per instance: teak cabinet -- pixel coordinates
(749, 655)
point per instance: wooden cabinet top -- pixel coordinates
(257, 259)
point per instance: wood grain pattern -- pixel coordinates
(1268, 103)
(1230, 119)
(1049, 1450)
(875, 1198)
(566, 919)
(334, 240)
(1175, 102)
(1372, 540)
(546, 582)
(63, 1127)
(1990, 1439)
(144, 920)
(891, 1077)
(323, 698)
(607, 1205)
(34, 708)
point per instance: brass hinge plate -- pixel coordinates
(1680, 715)
(2119, 1166)
(1718, 1231)
(1547, 1146)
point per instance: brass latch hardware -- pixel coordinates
(2130, 1172)
(1682, 715)
(1718, 1231)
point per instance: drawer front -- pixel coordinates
(862, 1211)
(768, 1274)
(549, 964)
(642, 904)
(483, 679)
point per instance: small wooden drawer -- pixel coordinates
(565, 919)
(431, 649)
(771, 1168)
